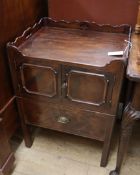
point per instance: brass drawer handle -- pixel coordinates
(63, 119)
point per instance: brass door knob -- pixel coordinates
(64, 85)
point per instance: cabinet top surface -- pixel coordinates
(133, 69)
(74, 45)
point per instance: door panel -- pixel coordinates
(39, 80)
(87, 87)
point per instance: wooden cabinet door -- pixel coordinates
(39, 80)
(87, 88)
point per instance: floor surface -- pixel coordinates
(55, 153)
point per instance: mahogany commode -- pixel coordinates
(64, 79)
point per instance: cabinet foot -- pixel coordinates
(107, 143)
(28, 140)
(25, 127)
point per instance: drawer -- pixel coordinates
(78, 122)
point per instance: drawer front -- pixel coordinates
(77, 122)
